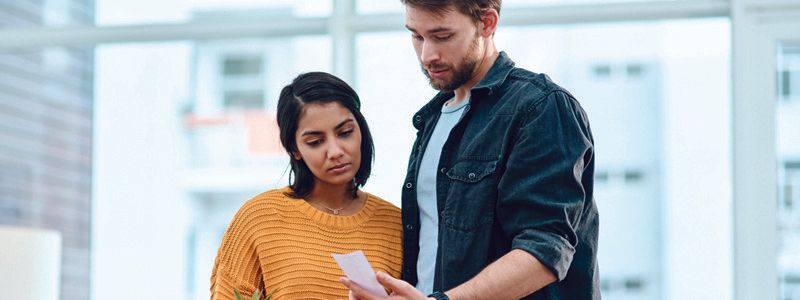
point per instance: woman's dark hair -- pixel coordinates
(321, 88)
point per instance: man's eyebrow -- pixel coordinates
(434, 30)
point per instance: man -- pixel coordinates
(497, 202)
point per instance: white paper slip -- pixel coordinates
(357, 268)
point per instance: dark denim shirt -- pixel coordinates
(516, 172)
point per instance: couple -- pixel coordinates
(497, 202)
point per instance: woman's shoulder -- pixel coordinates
(381, 204)
(264, 202)
(272, 195)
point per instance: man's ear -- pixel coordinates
(489, 20)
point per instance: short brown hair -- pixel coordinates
(471, 8)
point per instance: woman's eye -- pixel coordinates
(314, 143)
(346, 133)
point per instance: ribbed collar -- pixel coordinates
(334, 222)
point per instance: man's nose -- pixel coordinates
(429, 53)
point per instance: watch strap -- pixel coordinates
(439, 296)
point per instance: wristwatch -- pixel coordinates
(439, 296)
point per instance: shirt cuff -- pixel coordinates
(552, 250)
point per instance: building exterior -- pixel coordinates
(46, 110)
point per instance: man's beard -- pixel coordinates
(461, 73)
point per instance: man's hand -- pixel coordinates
(400, 289)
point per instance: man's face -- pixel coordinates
(448, 46)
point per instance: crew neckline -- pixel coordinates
(336, 221)
(447, 109)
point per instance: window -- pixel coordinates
(789, 74)
(788, 144)
(243, 83)
(175, 123)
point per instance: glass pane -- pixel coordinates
(789, 170)
(49, 13)
(236, 65)
(529, 3)
(46, 156)
(395, 6)
(186, 133)
(662, 141)
(126, 12)
(389, 100)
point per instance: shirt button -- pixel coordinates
(443, 170)
(409, 227)
(408, 185)
(418, 118)
(471, 175)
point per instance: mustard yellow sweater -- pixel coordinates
(278, 243)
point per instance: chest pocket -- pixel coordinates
(471, 196)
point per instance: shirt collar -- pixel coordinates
(491, 81)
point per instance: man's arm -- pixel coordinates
(513, 276)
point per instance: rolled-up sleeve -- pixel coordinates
(541, 195)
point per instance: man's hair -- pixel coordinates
(471, 8)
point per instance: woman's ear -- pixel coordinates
(489, 20)
(296, 155)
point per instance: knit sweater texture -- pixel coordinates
(278, 243)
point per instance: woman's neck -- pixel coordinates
(332, 196)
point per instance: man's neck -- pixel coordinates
(462, 92)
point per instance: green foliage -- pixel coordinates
(256, 295)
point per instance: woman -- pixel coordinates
(282, 240)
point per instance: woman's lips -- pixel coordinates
(340, 168)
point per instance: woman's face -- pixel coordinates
(329, 141)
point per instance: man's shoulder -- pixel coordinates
(538, 83)
(524, 88)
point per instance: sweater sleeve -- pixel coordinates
(236, 265)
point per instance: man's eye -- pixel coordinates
(416, 37)
(444, 38)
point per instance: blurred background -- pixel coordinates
(135, 129)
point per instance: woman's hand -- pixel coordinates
(400, 289)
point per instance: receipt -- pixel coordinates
(357, 268)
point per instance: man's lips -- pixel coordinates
(437, 72)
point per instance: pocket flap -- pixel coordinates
(471, 170)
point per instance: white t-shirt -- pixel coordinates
(426, 195)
